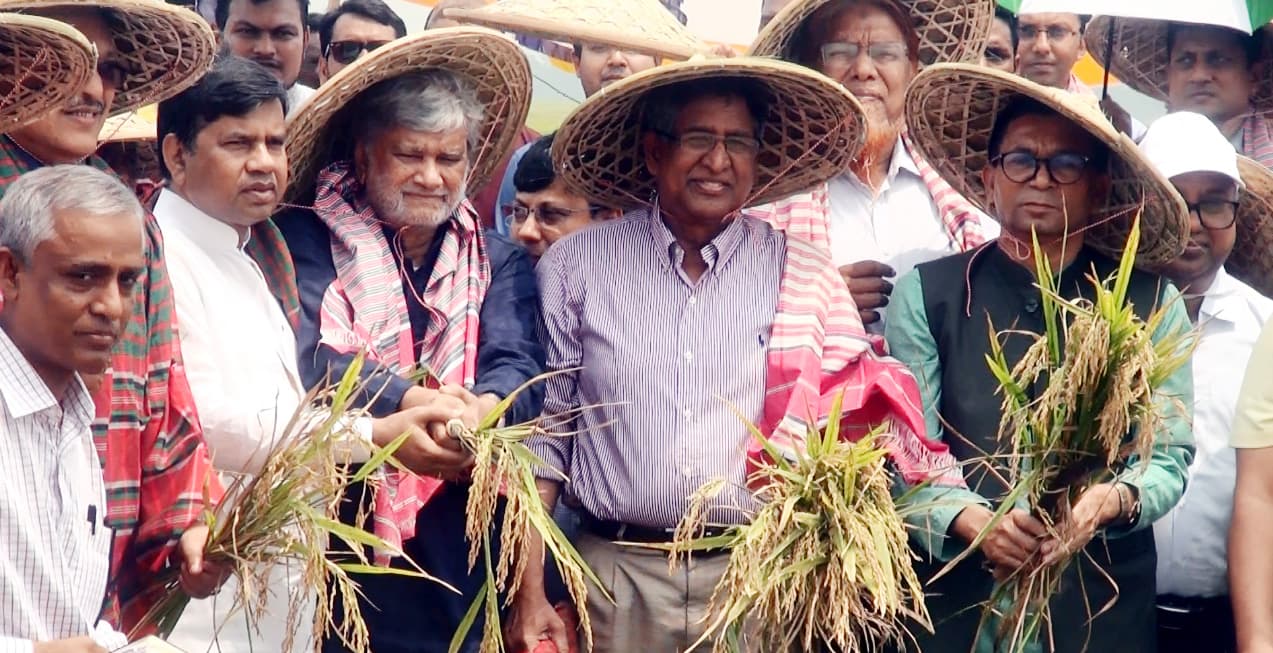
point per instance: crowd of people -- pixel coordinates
(843, 217)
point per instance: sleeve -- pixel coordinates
(1161, 482)
(562, 312)
(107, 637)
(911, 341)
(1253, 421)
(239, 435)
(319, 364)
(508, 351)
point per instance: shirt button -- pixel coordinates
(689, 415)
(693, 300)
(689, 357)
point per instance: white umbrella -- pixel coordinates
(1244, 15)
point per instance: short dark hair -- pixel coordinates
(662, 107)
(314, 21)
(535, 171)
(1252, 44)
(1022, 106)
(1010, 19)
(374, 10)
(223, 10)
(234, 87)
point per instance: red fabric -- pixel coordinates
(486, 198)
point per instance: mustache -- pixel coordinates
(86, 103)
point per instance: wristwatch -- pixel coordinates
(1128, 503)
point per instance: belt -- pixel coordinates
(1194, 605)
(616, 531)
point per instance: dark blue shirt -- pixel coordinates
(508, 352)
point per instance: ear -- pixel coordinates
(988, 181)
(652, 149)
(1082, 43)
(10, 268)
(360, 161)
(322, 67)
(175, 158)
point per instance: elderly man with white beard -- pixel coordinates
(889, 211)
(391, 261)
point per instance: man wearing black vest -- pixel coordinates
(1044, 163)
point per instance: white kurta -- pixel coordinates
(240, 357)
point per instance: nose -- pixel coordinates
(1199, 72)
(427, 174)
(1041, 44)
(263, 46)
(862, 67)
(529, 231)
(112, 301)
(717, 159)
(1043, 177)
(260, 159)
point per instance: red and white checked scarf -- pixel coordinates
(819, 352)
(806, 215)
(1257, 140)
(365, 310)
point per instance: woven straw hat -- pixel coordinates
(42, 64)
(1252, 257)
(951, 110)
(129, 127)
(1140, 57)
(813, 130)
(167, 48)
(494, 65)
(635, 25)
(949, 30)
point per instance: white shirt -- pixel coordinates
(898, 226)
(1192, 538)
(240, 356)
(296, 96)
(55, 557)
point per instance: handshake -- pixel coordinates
(430, 449)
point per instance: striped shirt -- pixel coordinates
(56, 550)
(663, 364)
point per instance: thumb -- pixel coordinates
(192, 550)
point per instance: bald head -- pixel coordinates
(437, 20)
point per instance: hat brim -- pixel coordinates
(659, 36)
(813, 130)
(128, 127)
(1252, 258)
(1140, 56)
(167, 48)
(43, 63)
(951, 110)
(492, 63)
(949, 30)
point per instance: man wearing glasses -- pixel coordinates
(545, 210)
(1048, 47)
(1194, 612)
(355, 27)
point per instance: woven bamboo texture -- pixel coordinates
(127, 127)
(949, 30)
(318, 134)
(1140, 57)
(167, 48)
(634, 25)
(1252, 258)
(43, 63)
(951, 110)
(813, 130)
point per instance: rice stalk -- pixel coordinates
(1099, 370)
(503, 465)
(286, 515)
(824, 560)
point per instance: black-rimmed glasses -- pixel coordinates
(1063, 167)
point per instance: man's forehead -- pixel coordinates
(1041, 20)
(267, 14)
(1207, 37)
(1049, 127)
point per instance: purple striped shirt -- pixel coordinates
(662, 360)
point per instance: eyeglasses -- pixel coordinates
(1063, 167)
(997, 55)
(1054, 32)
(346, 52)
(842, 55)
(703, 142)
(548, 216)
(1215, 214)
(113, 72)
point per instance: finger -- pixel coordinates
(864, 285)
(869, 317)
(1028, 524)
(191, 544)
(868, 269)
(870, 301)
(457, 391)
(560, 636)
(1024, 543)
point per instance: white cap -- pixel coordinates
(1184, 142)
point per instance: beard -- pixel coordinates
(881, 139)
(391, 207)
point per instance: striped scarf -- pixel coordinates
(365, 310)
(1257, 140)
(806, 215)
(819, 353)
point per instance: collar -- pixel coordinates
(174, 212)
(1222, 300)
(714, 253)
(23, 391)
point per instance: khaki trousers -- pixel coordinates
(654, 611)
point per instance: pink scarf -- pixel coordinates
(365, 310)
(819, 352)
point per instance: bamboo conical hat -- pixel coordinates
(1252, 258)
(637, 25)
(43, 63)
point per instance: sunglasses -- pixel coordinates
(346, 52)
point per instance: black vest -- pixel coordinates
(1005, 293)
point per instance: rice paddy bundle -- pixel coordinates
(504, 465)
(823, 562)
(285, 515)
(1100, 370)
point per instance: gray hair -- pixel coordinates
(28, 207)
(429, 101)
